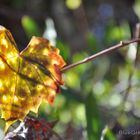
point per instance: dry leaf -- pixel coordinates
(28, 77)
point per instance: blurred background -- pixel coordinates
(101, 98)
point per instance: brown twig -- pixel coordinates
(126, 94)
(137, 35)
(106, 51)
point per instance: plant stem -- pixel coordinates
(126, 94)
(137, 35)
(106, 51)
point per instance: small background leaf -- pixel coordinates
(30, 26)
(93, 118)
(107, 134)
(64, 49)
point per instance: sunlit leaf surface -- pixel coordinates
(28, 77)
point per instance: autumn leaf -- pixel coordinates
(28, 77)
(33, 129)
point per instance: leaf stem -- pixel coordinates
(103, 52)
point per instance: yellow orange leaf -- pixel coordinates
(28, 77)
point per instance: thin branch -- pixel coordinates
(136, 36)
(126, 94)
(106, 51)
